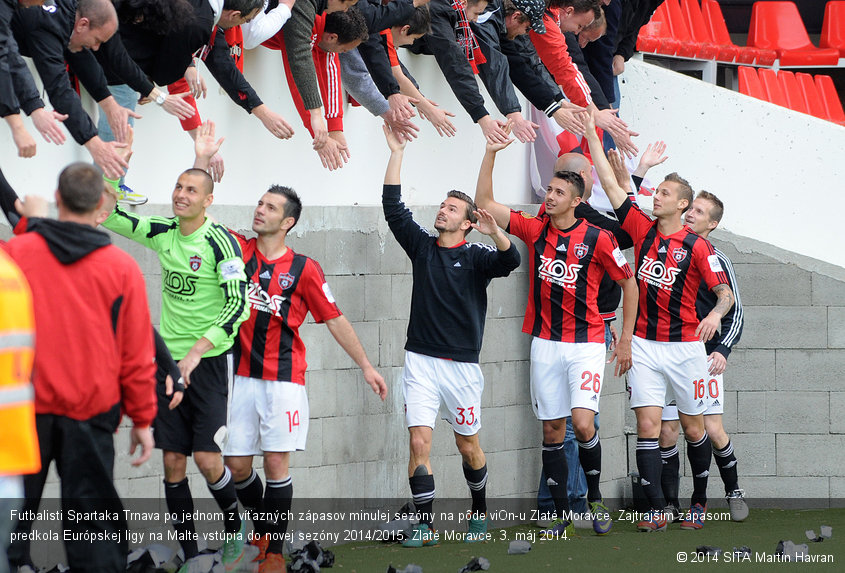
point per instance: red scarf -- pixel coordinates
(467, 39)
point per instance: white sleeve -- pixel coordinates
(264, 26)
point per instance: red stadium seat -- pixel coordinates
(832, 103)
(701, 32)
(648, 38)
(774, 93)
(815, 105)
(778, 26)
(749, 83)
(680, 31)
(667, 44)
(712, 13)
(833, 27)
(792, 91)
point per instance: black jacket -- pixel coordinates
(442, 44)
(578, 59)
(164, 59)
(17, 89)
(42, 33)
(372, 51)
(635, 14)
(599, 54)
(449, 296)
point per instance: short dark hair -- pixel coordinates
(98, 12)
(599, 22)
(159, 17)
(349, 26)
(207, 180)
(718, 208)
(245, 7)
(420, 21)
(470, 206)
(684, 188)
(293, 204)
(580, 6)
(474, 2)
(573, 179)
(81, 187)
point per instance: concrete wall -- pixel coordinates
(784, 382)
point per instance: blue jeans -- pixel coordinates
(125, 97)
(576, 483)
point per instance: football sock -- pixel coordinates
(181, 504)
(699, 454)
(554, 464)
(422, 490)
(589, 454)
(250, 494)
(477, 482)
(649, 466)
(277, 502)
(726, 462)
(670, 479)
(224, 494)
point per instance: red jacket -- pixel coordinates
(93, 341)
(551, 47)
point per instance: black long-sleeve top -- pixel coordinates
(372, 51)
(449, 296)
(43, 35)
(577, 55)
(443, 45)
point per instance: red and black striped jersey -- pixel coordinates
(669, 272)
(567, 267)
(281, 292)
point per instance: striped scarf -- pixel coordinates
(466, 38)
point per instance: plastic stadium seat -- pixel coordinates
(830, 98)
(792, 91)
(833, 27)
(648, 38)
(680, 31)
(815, 105)
(701, 32)
(666, 43)
(778, 26)
(749, 83)
(774, 93)
(712, 13)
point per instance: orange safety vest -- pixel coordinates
(19, 453)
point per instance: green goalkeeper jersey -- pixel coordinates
(203, 284)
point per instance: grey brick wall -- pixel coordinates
(785, 388)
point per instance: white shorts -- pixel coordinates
(565, 375)
(658, 366)
(266, 416)
(427, 380)
(716, 403)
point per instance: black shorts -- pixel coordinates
(192, 426)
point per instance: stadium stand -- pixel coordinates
(792, 91)
(833, 27)
(830, 98)
(778, 26)
(815, 106)
(772, 87)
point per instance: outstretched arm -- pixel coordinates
(345, 335)
(653, 155)
(615, 193)
(484, 187)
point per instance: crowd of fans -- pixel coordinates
(562, 55)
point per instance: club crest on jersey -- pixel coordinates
(679, 254)
(285, 280)
(581, 250)
(195, 262)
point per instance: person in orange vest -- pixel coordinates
(19, 446)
